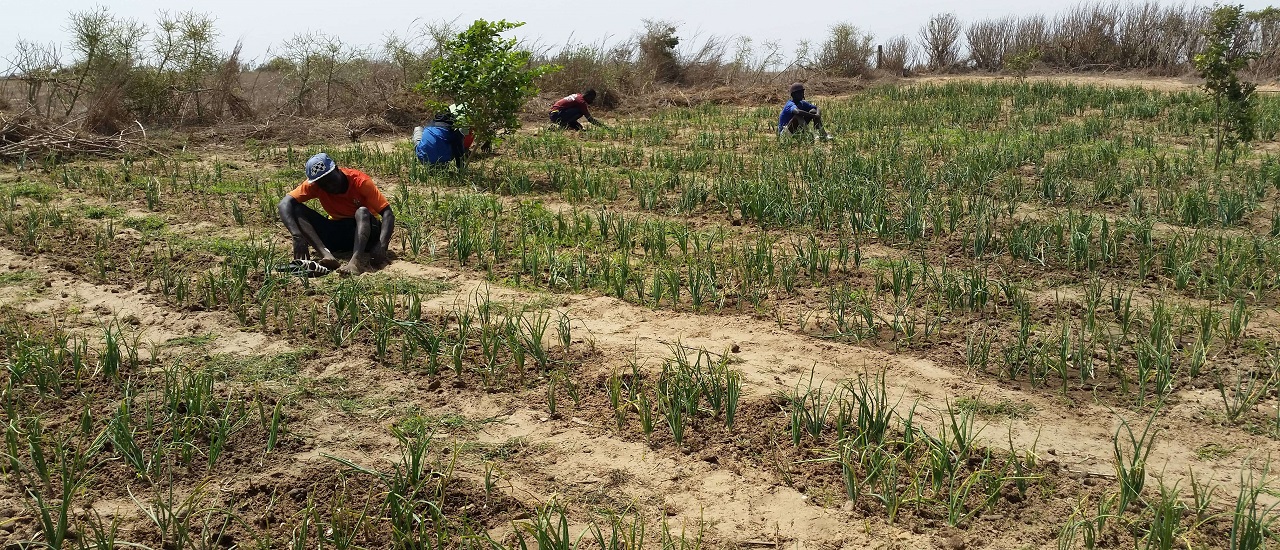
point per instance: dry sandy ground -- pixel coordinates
(580, 457)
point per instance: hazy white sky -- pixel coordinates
(260, 24)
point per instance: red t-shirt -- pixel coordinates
(360, 192)
(573, 100)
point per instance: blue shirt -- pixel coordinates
(439, 144)
(789, 112)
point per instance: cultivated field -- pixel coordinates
(998, 314)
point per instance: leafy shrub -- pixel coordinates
(487, 73)
(1225, 55)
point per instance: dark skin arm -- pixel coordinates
(586, 113)
(808, 115)
(801, 109)
(592, 119)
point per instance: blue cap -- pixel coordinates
(319, 166)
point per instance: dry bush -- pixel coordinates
(1138, 39)
(406, 109)
(10, 93)
(940, 39)
(652, 56)
(228, 97)
(403, 63)
(751, 67)
(35, 66)
(105, 49)
(988, 42)
(1085, 36)
(1144, 35)
(313, 73)
(411, 56)
(657, 51)
(115, 70)
(264, 88)
(896, 55)
(1265, 39)
(1030, 33)
(608, 69)
(319, 70)
(846, 52)
(119, 70)
(1160, 39)
(1185, 37)
(704, 65)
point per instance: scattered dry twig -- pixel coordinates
(32, 138)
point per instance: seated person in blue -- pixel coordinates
(798, 114)
(441, 142)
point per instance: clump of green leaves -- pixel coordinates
(39, 192)
(1020, 63)
(1225, 54)
(487, 74)
(145, 223)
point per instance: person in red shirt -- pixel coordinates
(569, 109)
(359, 217)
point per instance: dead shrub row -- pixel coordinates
(116, 71)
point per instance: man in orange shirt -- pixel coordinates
(360, 218)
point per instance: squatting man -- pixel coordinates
(359, 217)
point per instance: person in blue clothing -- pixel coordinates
(798, 114)
(441, 142)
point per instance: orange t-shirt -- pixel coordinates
(360, 192)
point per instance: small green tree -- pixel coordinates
(486, 73)
(1021, 63)
(1224, 55)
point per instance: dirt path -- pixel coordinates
(1078, 435)
(585, 461)
(86, 307)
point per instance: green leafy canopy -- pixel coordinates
(487, 74)
(1225, 54)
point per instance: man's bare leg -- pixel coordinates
(309, 233)
(304, 235)
(359, 257)
(815, 119)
